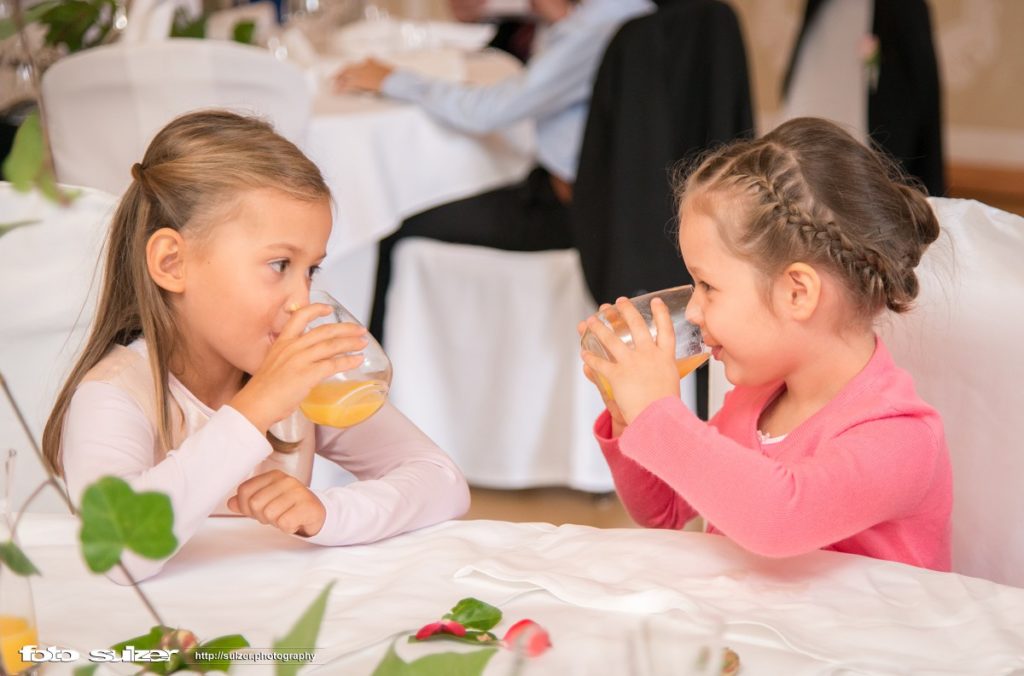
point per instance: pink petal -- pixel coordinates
(452, 627)
(528, 636)
(428, 630)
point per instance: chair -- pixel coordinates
(671, 85)
(484, 341)
(960, 344)
(47, 302)
(105, 104)
(485, 355)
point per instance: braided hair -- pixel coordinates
(810, 192)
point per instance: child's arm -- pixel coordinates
(405, 481)
(649, 500)
(871, 473)
(107, 433)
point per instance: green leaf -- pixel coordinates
(15, 559)
(25, 162)
(440, 664)
(302, 637)
(150, 641)
(221, 644)
(474, 614)
(186, 27)
(7, 227)
(244, 32)
(114, 517)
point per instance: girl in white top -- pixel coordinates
(197, 359)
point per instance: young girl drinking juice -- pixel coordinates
(197, 361)
(796, 242)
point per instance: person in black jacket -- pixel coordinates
(904, 110)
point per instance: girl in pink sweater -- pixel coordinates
(796, 242)
(198, 358)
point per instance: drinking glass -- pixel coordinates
(348, 397)
(17, 615)
(690, 349)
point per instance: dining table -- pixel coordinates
(386, 160)
(613, 601)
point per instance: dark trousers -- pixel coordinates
(526, 216)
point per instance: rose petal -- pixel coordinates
(428, 630)
(453, 627)
(527, 636)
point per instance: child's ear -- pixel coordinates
(799, 291)
(165, 258)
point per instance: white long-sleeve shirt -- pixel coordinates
(554, 88)
(405, 480)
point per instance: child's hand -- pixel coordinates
(279, 499)
(367, 76)
(618, 424)
(644, 373)
(296, 362)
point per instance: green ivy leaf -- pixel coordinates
(302, 637)
(440, 664)
(7, 227)
(244, 32)
(86, 670)
(474, 614)
(186, 27)
(15, 559)
(25, 162)
(221, 644)
(115, 517)
(150, 641)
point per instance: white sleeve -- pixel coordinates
(106, 433)
(405, 481)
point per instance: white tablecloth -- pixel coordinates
(386, 160)
(821, 613)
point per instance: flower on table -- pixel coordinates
(440, 627)
(527, 637)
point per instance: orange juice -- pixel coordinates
(344, 403)
(684, 367)
(15, 633)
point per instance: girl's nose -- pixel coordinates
(298, 298)
(694, 312)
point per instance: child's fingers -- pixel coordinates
(597, 365)
(246, 490)
(666, 339)
(615, 347)
(581, 328)
(301, 317)
(635, 322)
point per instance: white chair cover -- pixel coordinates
(105, 104)
(961, 345)
(52, 277)
(151, 20)
(486, 362)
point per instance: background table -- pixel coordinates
(386, 160)
(822, 613)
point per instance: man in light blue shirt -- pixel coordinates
(553, 90)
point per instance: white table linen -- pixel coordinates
(821, 613)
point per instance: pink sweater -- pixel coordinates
(867, 474)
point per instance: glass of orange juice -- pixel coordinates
(348, 397)
(690, 349)
(17, 617)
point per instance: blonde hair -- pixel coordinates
(810, 192)
(192, 167)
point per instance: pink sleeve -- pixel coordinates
(405, 481)
(649, 500)
(106, 433)
(868, 474)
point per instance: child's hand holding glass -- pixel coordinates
(296, 363)
(637, 356)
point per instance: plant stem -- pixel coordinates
(142, 596)
(54, 481)
(48, 165)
